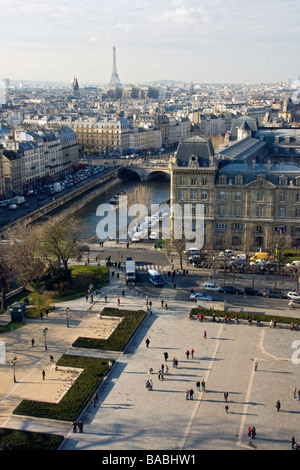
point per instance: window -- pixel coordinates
(222, 195)
(281, 212)
(193, 181)
(282, 197)
(182, 195)
(283, 181)
(259, 211)
(223, 179)
(222, 210)
(193, 195)
(182, 181)
(259, 229)
(221, 226)
(204, 181)
(237, 227)
(238, 196)
(239, 180)
(238, 211)
(204, 195)
(260, 197)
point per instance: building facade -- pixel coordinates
(248, 205)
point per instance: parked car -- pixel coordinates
(274, 293)
(153, 236)
(13, 206)
(192, 251)
(200, 296)
(230, 290)
(294, 303)
(250, 291)
(293, 296)
(210, 287)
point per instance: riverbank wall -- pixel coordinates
(71, 202)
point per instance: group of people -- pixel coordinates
(77, 424)
(251, 432)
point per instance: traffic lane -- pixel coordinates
(245, 300)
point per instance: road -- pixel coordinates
(147, 257)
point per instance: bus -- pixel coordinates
(155, 278)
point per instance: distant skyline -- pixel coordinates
(217, 41)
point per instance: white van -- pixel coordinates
(210, 287)
(192, 251)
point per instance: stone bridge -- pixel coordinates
(145, 172)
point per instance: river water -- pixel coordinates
(88, 220)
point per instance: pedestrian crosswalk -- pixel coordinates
(150, 245)
(145, 267)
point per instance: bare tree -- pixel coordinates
(26, 260)
(58, 241)
(6, 274)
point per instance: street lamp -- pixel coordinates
(45, 332)
(12, 363)
(67, 313)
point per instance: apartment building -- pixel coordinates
(102, 134)
(29, 158)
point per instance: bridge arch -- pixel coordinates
(143, 173)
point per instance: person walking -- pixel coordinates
(80, 426)
(204, 333)
(187, 394)
(278, 405)
(147, 342)
(74, 426)
(293, 442)
(192, 353)
(249, 432)
(255, 365)
(187, 353)
(203, 385)
(43, 374)
(226, 396)
(166, 306)
(32, 342)
(162, 302)
(198, 385)
(253, 432)
(166, 355)
(191, 394)
(226, 408)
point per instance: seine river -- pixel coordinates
(88, 220)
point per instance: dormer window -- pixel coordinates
(238, 180)
(283, 181)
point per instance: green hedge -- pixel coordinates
(13, 439)
(244, 316)
(131, 319)
(70, 406)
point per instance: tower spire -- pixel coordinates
(114, 79)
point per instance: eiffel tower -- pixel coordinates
(114, 79)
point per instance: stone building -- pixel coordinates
(248, 205)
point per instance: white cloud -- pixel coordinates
(183, 15)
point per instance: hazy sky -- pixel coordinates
(189, 40)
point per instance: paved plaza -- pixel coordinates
(127, 415)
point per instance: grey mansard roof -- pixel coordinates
(244, 148)
(201, 148)
(250, 171)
